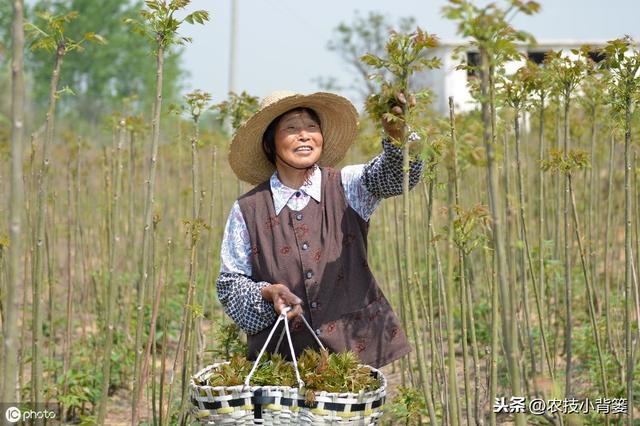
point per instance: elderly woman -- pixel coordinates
(299, 238)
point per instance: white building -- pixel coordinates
(449, 81)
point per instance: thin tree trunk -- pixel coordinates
(148, 215)
(634, 271)
(465, 346)
(401, 290)
(628, 258)
(606, 256)
(556, 234)
(509, 321)
(567, 261)
(430, 314)
(49, 235)
(474, 346)
(210, 247)
(541, 231)
(189, 320)
(126, 319)
(161, 415)
(8, 391)
(525, 238)
(197, 324)
(114, 238)
(526, 255)
(449, 403)
(493, 357)
(163, 365)
(449, 287)
(408, 275)
(589, 291)
(150, 340)
(592, 209)
(66, 344)
(41, 211)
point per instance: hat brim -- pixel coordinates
(339, 124)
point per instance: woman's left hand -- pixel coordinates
(282, 297)
(394, 128)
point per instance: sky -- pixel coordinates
(282, 44)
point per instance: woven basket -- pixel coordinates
(282, 405)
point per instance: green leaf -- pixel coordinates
(199, 16)
(152, 4)
(372, 60)
(95, 38)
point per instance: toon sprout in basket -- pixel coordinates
(299, 238)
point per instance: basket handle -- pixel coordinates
(283, 317)
(310, 331)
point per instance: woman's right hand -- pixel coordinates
(282, 297)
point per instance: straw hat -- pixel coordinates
(338, 121)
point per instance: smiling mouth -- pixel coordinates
(303, 149)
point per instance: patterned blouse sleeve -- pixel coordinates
(358, 196)
(382, 176)
(365, 185)
(238, 293)
(242, 301)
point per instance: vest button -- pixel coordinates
(318, 332)
(309, 274)
(298, 193)
(314, 305)
(305, 246)
(299, 216)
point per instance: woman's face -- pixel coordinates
(298, 140)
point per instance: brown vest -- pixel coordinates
(320, 253)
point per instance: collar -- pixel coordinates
(282, 193)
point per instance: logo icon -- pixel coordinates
(12, 414)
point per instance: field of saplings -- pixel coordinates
(513, 264)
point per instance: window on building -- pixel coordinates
(537, 56)
(596, 56)
(473, 64)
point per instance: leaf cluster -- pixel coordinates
(364, 34)
(556, 161)
(470, 227)
(409, 406)
(320, 371)
(404, 55)
(231, 374)
(379, 105)
(136, 124)
(336, 372)
(237, 108)
(594, 88)
(566, 73)
(80, 388)
(104, 77)
(539, 79)
(195, 103)
(4, 242)
(48, 33)
(195, 228)
(275, 371)
(621, 64)
(488, 27)
(229, 341)
(160, 24)
(515, 90)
